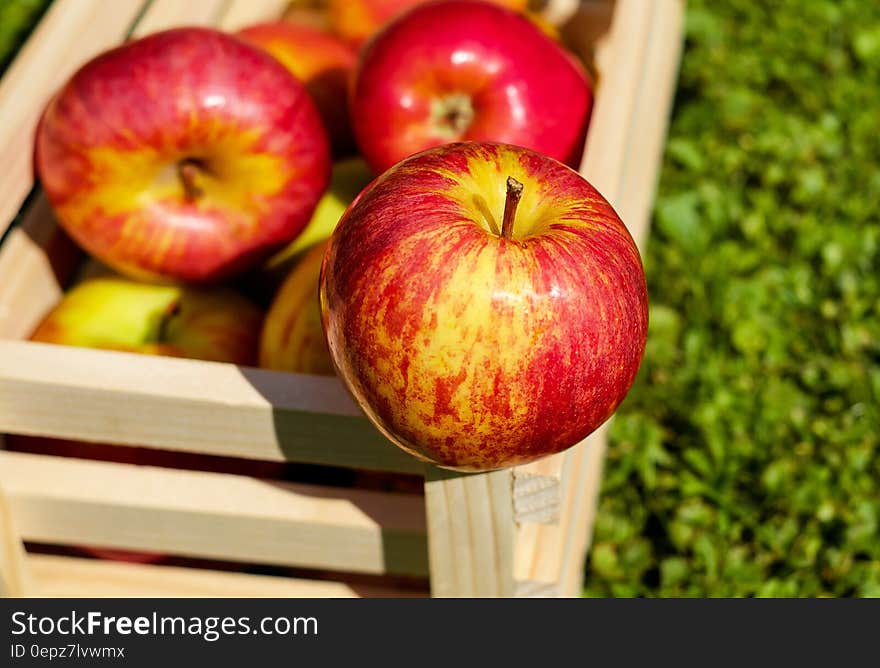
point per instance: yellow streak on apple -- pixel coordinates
(237, 178)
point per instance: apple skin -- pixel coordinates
(321, 61)
(185, 155)
(474, 351)
(293, 338)
(357, 20)
(119, 314)
(348, 178)
(467, 71)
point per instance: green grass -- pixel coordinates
(745, 460)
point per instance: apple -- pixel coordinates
(323, 62)
(357, 20)
(292, 338)
(348, 178)
(187, 155)
(467, 71)
(116, 313)
(485, 305)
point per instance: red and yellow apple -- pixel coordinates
(485, 305)
(322, 62)
(293, 338)
(187, 155)
(467, 71)
(115, 313)
(357, 20)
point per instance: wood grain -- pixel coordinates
(207, 407)
(471, 533)
(66, 501)
(14, 575)
(37, 260)
(70, 577)
(164, 14)
(243, 13)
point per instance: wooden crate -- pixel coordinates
(521, 531)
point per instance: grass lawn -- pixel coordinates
(746, 459)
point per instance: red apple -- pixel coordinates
(475, 333)
(322, 62)
(357, 20)
(459, 70)
(187, 155)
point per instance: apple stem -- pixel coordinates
(188, 172)
(514, 193)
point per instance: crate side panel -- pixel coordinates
(471, 533)
(67, 501)
(204, 407)
(70, 577)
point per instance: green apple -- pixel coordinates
(348, 178)
(115, 313)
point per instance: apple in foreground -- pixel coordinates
(357, 20)
(293, 338)
(323, 62)
(485, 305)
(116, 313)
(187, 155)
(467, 71)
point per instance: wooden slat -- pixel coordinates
(206, 407)
(549, 558)
(164, 14)
(14, 576)
(557, 12)
(658, 72)
(471, 533)
(71, 32)
(586, 465)
(36, 261)
(242, 13)
(70, 577)
(631, 112)
(211, 515)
